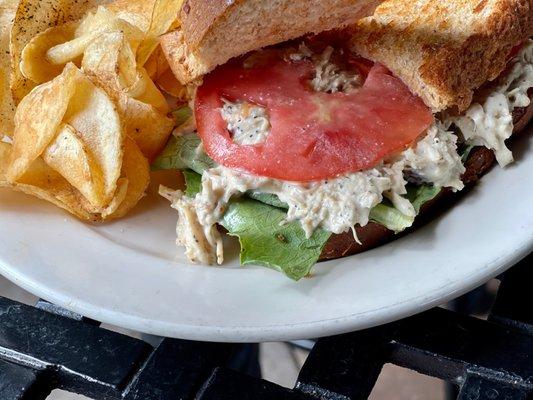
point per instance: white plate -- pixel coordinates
(130, 274)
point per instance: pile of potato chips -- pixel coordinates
(82, 110)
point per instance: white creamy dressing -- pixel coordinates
(337, 205)
(490, 123)
(248, 123)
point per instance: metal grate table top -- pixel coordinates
(44, 348)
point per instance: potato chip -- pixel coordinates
(34, 64)
(145, 119)
(118, 199)
(96, 120)
(104, 20)
(147, 92)
(111, 60)
(164, 14)
(43, 182)
(169, 84)
(33, 17)
(45, 55)
(159, 71)
(72, 99)
(136, 12)
(157, 64)
(94, 20)
(81, 139)
(8, 9)
(69, 156)
(5, 150)
(136, 170)
(93, 26)
(147, 47)
(37, 120)
(146, 125)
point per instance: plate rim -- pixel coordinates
(281, 332)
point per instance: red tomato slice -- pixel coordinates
(314, 135)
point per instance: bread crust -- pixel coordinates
(444, 50)
(198, 16)
(214, 31)
(373, 235)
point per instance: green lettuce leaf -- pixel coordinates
(267, 198)
(183, 152)
(193, 182)
(467, 149)
(265, 242)
(182, 115)
(384, 214)
(387, 215)
(420, 195)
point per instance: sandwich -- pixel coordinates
(316, 130)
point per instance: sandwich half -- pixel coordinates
(314, 134)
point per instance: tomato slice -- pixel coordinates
(314, 135)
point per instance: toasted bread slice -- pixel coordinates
(444, 49)
(214, 31)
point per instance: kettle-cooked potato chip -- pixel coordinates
(8, 9)
(37, 120)
(111, 60)
(136, 170)
(136, 12)
(147, 92)
(169, 84)
(157, 64)
(164, 15)
(45, 55)
(90, 28)
(71, 99)
(69, 156)
(142, 106)
(146, 125)
(43, 182)
(96, 121)
(34, 64)
(5, 150)
(82, 137)
(159, 71)
(33, 17)
(118, 199)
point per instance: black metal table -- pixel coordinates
(44, 347)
